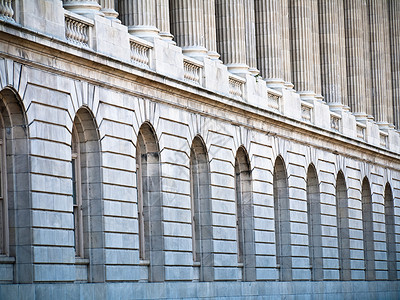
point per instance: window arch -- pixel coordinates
(343, 227)
(368, 230)
(390, 233)
(151, 242)
(201, 209)
(282, 221)
(314, 224)
(244, 215)
(87, 198)
(15, 200)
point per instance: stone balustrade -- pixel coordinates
(6, 10)
(192, 70)
(236, 86)
(78, 29)
(140, 52)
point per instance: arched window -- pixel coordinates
(282, 221)
(15, 194)
(343, 227)
(151, 243)
(390, 233)
(314, 224)
(86, 193)
(244, 215)
(201, 209)
(368, 231)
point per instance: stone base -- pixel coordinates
(184, 290)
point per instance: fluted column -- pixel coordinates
(269, 41)
(188, 27)
(316, 51)
(355, 45)
(342, 51)
(231, 39)
(331, 67)
(386, 47)
(140, 17)
(107, 7)
(378, 67)
(163, 24)
(83, 7)
(394, 22)
(364, 11)
(250, 31)
(302, 44)
(210, 30)
(286, 56)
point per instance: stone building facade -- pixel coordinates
(188, 149)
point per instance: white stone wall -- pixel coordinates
(121, 95)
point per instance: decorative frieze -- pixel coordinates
(140, 52)
(77, 29)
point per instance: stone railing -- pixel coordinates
(306, 110)
(360, 127)
(192, 70)
(6, 10)
(274, 101)
(236, 85)
(140, 52)
(335, 121)
(383, 138)
(78, 29)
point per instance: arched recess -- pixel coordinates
(282, 221)
(87, 196)
(368, 230)
(244, 215)
(314, 224)
(151, 242)
(390, 233)
(201, 210)
(343, 227)
(15, 187)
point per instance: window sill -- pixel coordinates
(81, 261)
(144, 263)
(7, 259)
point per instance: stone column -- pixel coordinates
(231, 38)
(163, 20)
(269, 41)
(316, 50)
(386, 30)
(210, 33)
(250, 31)
(364, 11)
(355, 44)
(378, 67)
(83, 7)
(286, 55)
(302, 45)
(342, 50)
(331, 66)
(107, 7)
(188, 27)
(140, 17)
(394, 22)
